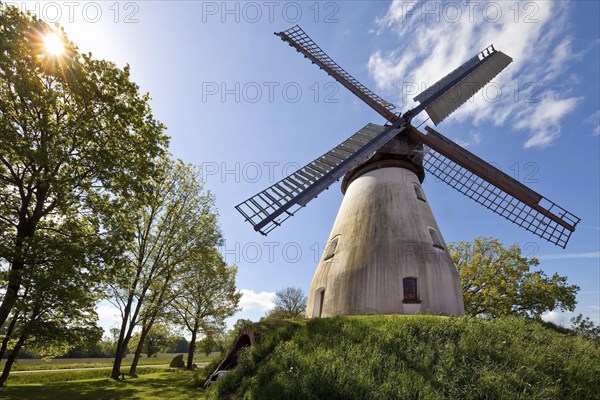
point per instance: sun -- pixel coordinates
(54, 44)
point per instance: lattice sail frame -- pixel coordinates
(299, 40)
(537, 214)
(269, 208)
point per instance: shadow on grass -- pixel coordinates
(168, 385)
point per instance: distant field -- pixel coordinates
(167, 385)
(66, 363)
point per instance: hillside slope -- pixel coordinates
(413, 357)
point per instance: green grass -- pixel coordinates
(174, 385)
(66, 376)
(66, 363)
(414, 357)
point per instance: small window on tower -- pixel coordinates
(419, 193)
(409, 286)
(331, 248)
(435, 239)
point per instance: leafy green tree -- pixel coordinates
(157, 340)
(586, 327)
(290, 302)
(56, 305)
(177, 222)
(206, 296)
(76, 137)
(100, 349)
(180, 346)
(114, 335)
(207, 345)
(498, 281)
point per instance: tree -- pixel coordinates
(290, 302)
(180, 346)
(177, 222)
(76, 137)
(497, 281)
(157, 340)
(586, 327)
(55, 311)
(206, 296)
(207, 345)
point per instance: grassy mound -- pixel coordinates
(414, 357)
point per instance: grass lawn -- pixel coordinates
(26, 364)
(163, 385)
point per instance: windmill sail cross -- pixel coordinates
(444, 159)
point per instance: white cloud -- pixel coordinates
(252, 300)
(543, 119)
(566, 256)
(473, 139)
(435, 37)
(554, 317)
(594, 120)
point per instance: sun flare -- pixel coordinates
(53, 44)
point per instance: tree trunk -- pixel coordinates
(121, 346)
(192, 349)
(11, 360)
(9, 331)
(146, 326)
(138, 351)
(25, 230)
(12, 291)
(116, 369)
(126, 331)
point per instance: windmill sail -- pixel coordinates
(444, 159)
(298, 39)
(453, 90)
(269, 208)
(439, 101)
(487, 185)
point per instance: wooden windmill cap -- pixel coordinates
(397, 153)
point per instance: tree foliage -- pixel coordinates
(290, 302)
(205, 297)
(158, 339)
(498, 280)
(76, 139)
(176, 222)
(586, 327)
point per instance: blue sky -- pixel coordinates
(250, 110)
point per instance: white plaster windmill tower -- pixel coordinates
(385, 253)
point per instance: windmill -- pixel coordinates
(385, 253)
